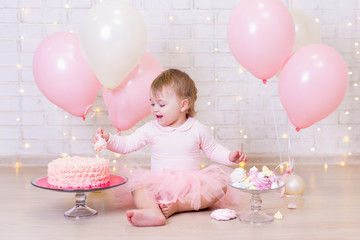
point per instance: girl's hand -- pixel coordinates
(237, 156)
(101, 132)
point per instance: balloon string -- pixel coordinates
(268, 88)
(276, 131)
(91, 115)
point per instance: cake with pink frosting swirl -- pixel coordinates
(79, 172)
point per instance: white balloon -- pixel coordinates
(113, 40)
(307, 31)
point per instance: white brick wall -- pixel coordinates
(185, 34)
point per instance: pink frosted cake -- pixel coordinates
(79, 172)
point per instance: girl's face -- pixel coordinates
(168, 109)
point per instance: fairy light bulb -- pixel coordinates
(64, 155)
(67, 6)
(212, 128)
(17, 119)
(317, 20)
(242, 164)
(209, 103)
(17, 167)
(114, 161)
(325, 167)
(346, 139)
(18, 66)
(202, 166)
(21, 90)
(245, 136)
(342, 164)
(117, 155)
(239, 98)
(73, 138)
(171, 18)
(27, 145)
(285, 136)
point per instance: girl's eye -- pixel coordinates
(162, 105)
(152, 104)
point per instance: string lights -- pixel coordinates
(355, 84)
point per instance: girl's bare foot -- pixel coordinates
(168, 209)
(145, 218)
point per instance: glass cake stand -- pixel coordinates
(255, 215)
(80, 209)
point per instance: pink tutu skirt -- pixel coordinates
(170, 186)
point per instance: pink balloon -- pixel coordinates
(261, 34)
(312, 84)
(129, 104)
(63, 75)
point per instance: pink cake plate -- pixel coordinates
(80, 209)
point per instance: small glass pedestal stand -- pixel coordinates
(255, 215)
(80, 209)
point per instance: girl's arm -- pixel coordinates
(130, 143)
(217, 152)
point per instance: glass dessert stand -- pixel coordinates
(80, 209)
(255, 215)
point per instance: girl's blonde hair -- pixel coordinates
(183, 85)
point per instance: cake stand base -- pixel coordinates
(256, 217)
(80, 209)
